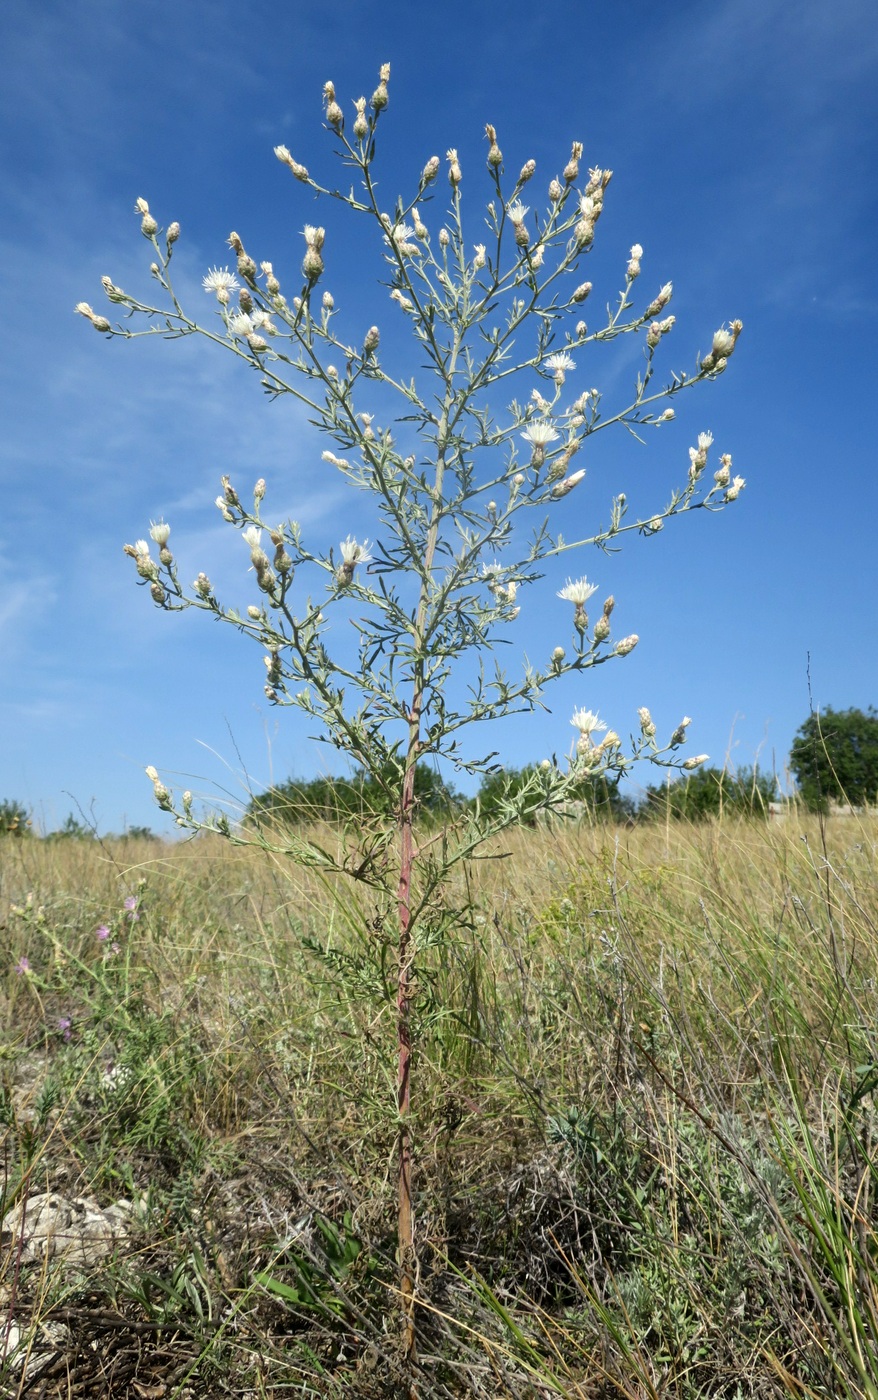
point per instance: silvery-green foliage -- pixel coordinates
(467, 476)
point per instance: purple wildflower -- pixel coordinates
(64, 1024)
(103, 933)
(114, 948)
(22, 966)
(131, 908)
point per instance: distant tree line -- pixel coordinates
(706, 792)
(834, 760)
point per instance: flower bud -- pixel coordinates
(162, 795)
(627, 645)
(647, 725)
(571, 169)
(582, 291)
(562, 488)
(696, 762)
(555, 190)
(444, 238)
(527, 171)
(312, 264)
(158, 593)
(661, 300)
(679, 734)
(254, 612)
(173, 232)
(361, 125)
(151, 773)
(455, 174)
(430, 171)
(495, 155)
(202, 586)
(370, 344)
(601, 629)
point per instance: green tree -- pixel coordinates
(14, 820)
(299, 803)
(711, 792)
(834, 758)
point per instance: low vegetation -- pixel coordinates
(645, 1134)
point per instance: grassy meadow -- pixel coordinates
(644, 1117)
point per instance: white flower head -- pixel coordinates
(732, 492)
(353, 553)
(252, 536)
(559, 364)
(220, 280)
(159, 532)
(540, 435)
(400, 237)
(587, 722)
(141, 547)
(240, 324)
(518, 212)
(577, 591)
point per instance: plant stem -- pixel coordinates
(405, 1214)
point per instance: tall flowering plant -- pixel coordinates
(470, 505)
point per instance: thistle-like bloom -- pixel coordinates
(354, 553)
(577, 591)
(252, 536)
(698, 455)
(159, 532)
(587, 722)
(400, 237)
(240, 324)
(454, 172)
(732, 492)
(559, 365)
(518, 212)
(283, 155)
(100, 323)
(539, 435)
(221, 282)
(647, 723)
(633, 268)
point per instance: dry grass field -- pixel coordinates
(644, 1109)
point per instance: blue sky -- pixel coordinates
(743, 139)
